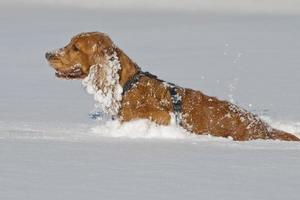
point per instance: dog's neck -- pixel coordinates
(106, 80)
(127, 67)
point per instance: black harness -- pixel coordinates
(175, 96)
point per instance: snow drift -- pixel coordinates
(139, 129)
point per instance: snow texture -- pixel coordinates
(51, 149)
(103, 83)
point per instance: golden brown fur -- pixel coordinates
(151, 99)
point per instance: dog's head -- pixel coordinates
(83, 51)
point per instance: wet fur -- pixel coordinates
(150, 98)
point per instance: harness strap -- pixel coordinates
(175, 96)
(131, 82)
(176, 101)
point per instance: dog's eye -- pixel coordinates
(74, 48)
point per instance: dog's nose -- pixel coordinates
(48, 55)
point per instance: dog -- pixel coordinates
(127, 93)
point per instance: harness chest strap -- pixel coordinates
(177, 103)
(175, 96)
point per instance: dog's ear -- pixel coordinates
(104, 71)
(97, 53)
(105, 84)
(110, 50)
(98, 76)
(100, 52)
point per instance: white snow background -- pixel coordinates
(246, 51)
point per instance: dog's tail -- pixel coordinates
(281, 135)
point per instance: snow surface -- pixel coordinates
(51, 149)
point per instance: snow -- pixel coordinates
(51, 149)
(103, 83)
(142, 129)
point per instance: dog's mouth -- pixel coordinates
(74, 73)
(63, 72)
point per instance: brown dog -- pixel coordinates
(127, 93)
